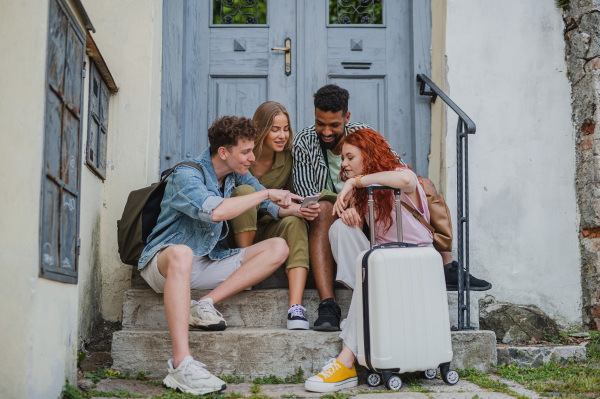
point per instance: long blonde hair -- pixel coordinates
(263, 120)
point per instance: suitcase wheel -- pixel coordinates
(450, 377)
(394, 383)
(430, 374)
(373, 379)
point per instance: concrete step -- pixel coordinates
(143, 309)
(267, 351)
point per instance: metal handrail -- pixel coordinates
(464, 127)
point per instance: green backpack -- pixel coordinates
(140, 216)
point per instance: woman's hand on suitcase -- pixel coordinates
(351, 217)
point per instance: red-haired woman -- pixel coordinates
(367, 159)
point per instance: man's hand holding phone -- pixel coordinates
(310, 208)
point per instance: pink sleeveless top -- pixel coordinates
(413, 231)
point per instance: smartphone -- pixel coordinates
(312, 199)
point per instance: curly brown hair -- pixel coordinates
(228, 130)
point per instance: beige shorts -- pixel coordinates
(206, 273)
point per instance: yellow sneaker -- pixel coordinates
(333, 377)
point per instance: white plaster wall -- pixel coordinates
(92, 194)
(506, 70)
(129, 36)
(38, 324)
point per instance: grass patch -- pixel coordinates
(255, 388)
(337, 396)
(116, 374)
(267, 380)
(557, 379)
(233, 378)
(296, 378)
(234, 395)
(172, 394)
(593, 349)
(413, 382)
(71, 392)
(483, 380)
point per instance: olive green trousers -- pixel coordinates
(292, 229)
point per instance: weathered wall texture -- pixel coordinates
(582, 36)
(43, 321)
(38, 324)
(128, 35)
(507, 71)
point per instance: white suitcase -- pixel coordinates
(402, 309)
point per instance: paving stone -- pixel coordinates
(537, 355)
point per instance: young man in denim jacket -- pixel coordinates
(188, 247)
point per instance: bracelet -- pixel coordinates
(357, 181)
(268, 194)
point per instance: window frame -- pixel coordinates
(98, 145)
(212, 24)
(365, 26)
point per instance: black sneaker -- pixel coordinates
(451, 274)
(329, 316)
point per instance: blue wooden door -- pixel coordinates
(221, 57)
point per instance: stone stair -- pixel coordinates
(256, 341)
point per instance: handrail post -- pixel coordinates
(462, 183)
(465, 126)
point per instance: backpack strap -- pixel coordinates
(418, 216)
(192, 164)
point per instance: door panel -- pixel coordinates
(210, 70)
(366, 100)
(237, 96)
(232, 52)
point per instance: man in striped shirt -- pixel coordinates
(317, 162)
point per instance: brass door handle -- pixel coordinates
(288, 55)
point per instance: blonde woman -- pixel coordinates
(273, 169)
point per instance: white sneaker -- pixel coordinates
(204, 316)
(296, 319)
(191, 377)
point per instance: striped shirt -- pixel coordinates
(309, 170)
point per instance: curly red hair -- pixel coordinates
(377, 157)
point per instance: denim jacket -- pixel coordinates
(186, 211)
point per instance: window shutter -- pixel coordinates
(62, 137)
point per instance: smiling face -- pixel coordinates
(279, 133)
(352, 160)
(330, 127)
(240, 157)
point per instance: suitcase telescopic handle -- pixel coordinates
(371, 203)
